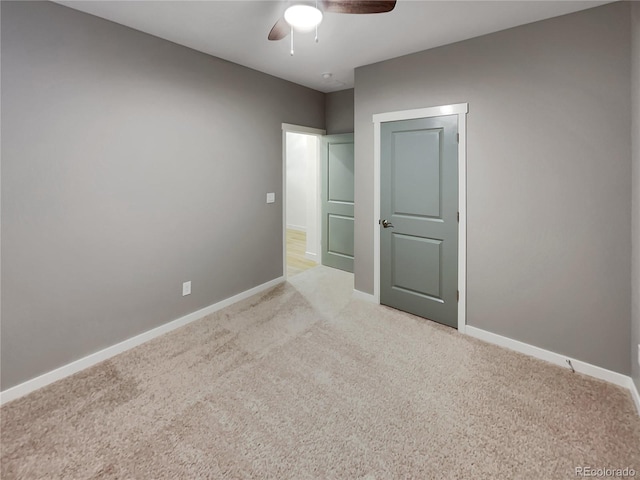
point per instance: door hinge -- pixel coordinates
(458, 217)
(458, 295)
(458, 137)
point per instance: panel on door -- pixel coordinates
(337, 201)
(419, 206)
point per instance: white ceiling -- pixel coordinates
(237, 31)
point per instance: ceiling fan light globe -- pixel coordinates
(303, 18)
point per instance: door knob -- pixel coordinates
(386, 224)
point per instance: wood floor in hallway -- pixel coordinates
(296, 246)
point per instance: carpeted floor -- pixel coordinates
(303, 382)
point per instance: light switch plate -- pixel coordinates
(186, 288)
(271, 197)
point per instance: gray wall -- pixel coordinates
(129, 165)
(339, 112)
(549, 175)
(635, 139)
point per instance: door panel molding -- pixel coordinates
(336, 245)
(461, 110)
(428, 285)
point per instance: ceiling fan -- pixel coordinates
(303, 17)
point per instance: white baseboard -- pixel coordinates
(634, 394)
(367, 297)
(297, 228)
(97, 357)
(557, 359)
(561, 360)
(312, 256)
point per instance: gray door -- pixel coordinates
(419, 217)
(337, 201)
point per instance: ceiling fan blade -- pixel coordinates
(280, 30)
(357, 6)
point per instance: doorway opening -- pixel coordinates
(301, 198)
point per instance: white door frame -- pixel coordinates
(287, 127)
(460, 109)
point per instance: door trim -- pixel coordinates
(460, 109)
(318, 132)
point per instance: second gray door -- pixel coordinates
(337, 201)
(419, 210)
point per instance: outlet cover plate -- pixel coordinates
(186, 288)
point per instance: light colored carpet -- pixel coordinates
(304, 382)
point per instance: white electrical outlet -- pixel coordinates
(186, 288)
(271, 197)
